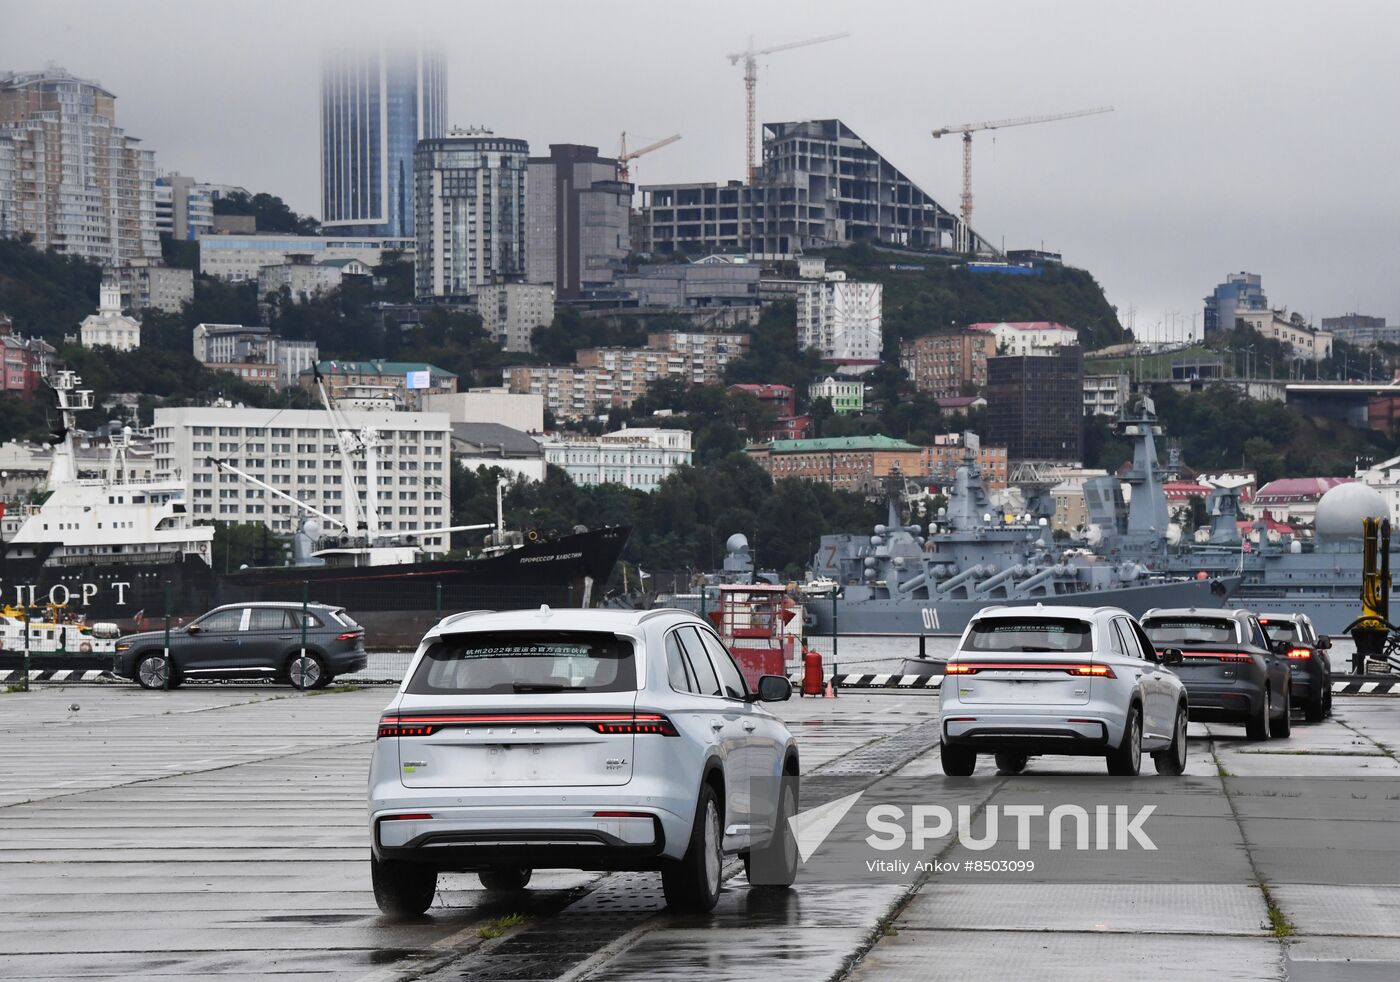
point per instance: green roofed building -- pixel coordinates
(849, 463)
(400, 383)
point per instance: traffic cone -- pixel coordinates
(830, 692)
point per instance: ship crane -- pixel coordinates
(625, 156)
(967, 129)
(750, 57)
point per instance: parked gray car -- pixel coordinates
(248, 641)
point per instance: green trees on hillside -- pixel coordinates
(270, 213)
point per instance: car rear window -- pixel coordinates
(1029, 634)
(1190, 630)
(526, 661)
(1281, 630)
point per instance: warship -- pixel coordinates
(1319, 577)
(908, 580)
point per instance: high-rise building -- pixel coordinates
(1240, 292)
(1035, 404)
(842, 320)
(577, 215)
(469, 193)
(820, 185)
(68, 175)
(184, 207)
(377, 102)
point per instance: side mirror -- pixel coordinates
(1323, 643)
(772, 688)
(1170, 656)
(193, 629)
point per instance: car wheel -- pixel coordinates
(306, 673)
(1257, 727)
(150, 672)
(692, 882)
(1329, 697)
(957, 761)
(774, 865)
(402, 889)
(505, 877)
(1316, 709)
(1012, 763)
(1172, 760)
(1126, 760)
(1283, 726)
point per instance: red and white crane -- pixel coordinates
(967, 129)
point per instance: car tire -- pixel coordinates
(773, 866)
(1283, 726)
(149, 671)
(313, 676)
(692, 883)
(505, 878)
(1126, 759)
(957, 761)
(1257, 726)
(1012, 764)
(1172, 760)
(402, 889)
(1316, 709)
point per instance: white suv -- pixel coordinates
(579, 739)
(1038, 680)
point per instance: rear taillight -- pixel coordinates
(609, 723)
(972, 668)
(349, 635)
(1218, 655)
(1299, 654)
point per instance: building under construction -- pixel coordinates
(820, 185)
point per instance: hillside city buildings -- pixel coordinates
(69, 176)
(638, 458)
(842, 320)
(378, 101)
(109, 327)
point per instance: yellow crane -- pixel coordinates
(625, 156)
(749, 57)
(967, 129)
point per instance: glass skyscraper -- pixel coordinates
(377, 102)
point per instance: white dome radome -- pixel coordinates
(1340, 511)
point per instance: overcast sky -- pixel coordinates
(1247, 135)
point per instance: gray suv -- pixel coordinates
(248, 641)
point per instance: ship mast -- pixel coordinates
(346, 440)
(71, 400)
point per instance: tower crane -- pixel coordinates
(625, 156)
(967, 129)
(750, 57)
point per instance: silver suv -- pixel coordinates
(579, 739)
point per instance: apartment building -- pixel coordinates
(146, 285)
(1106, 395)
(1027, 337)
(944, 364)
(848, 463)
(297, 452)
(639, 458)
(842, 320)
(510, 312)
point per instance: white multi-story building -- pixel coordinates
(842, 319)
(297, 452)
(510, 312)
(69, 176)
(305, 280)
(1028, 337)
(1105, 395)
(109, 327)
(239, 257)
(233, 347)
(637, 458)
(1306, 342)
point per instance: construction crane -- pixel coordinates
(625, 156)
(967, 129)
(750, 59)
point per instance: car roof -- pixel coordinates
(1043, 610)
(283, 604)
(559, 619)
(1223, 613)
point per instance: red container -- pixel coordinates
(811, 672)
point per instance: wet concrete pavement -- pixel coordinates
(220, 832)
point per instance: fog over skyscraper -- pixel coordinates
(377, 101)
